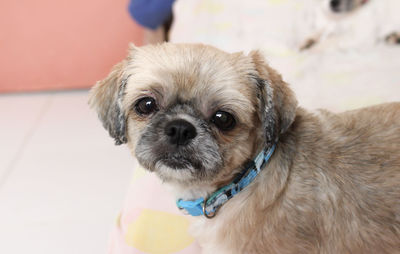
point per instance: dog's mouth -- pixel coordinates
(180, 162)
(196, 160)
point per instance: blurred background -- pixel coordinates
(53, 45)
(63, 182)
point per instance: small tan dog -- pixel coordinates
(197, 117)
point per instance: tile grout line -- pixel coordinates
(18, 154)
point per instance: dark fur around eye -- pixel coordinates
(146, 106)
(223, 120)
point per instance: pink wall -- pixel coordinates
(57, 44)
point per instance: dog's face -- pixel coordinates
(193, 113)
(344, 6)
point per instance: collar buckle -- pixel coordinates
(208, 215)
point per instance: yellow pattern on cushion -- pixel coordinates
(209, 6)
(138, 173)
(158, 232)
(358, 102)
(118, 220)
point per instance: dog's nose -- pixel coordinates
(180, 132)
(335, 4)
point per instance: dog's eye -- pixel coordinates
(223, 120)
(146, 106)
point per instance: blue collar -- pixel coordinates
(208, 207)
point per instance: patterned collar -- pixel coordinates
(208, 207)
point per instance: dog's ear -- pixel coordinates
(106, 98)
(278, 102)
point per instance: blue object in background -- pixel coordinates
(151, 13)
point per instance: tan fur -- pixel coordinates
(331, 186)
(219, 78)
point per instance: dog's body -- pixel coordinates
(195, 115)
(331, 187)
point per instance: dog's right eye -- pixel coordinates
(146, 106)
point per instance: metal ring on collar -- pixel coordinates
(208, 216)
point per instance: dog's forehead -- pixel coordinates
(210, 77)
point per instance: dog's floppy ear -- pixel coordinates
(106, 98)
(278, 103)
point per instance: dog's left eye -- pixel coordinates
(146, 106)
(223, 120)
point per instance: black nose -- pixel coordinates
(180, 132)
(335, 4)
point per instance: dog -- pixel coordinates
(200, 118)
(354, 23)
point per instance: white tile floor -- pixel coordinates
(62, 180)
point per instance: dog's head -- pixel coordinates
(343, 6)
(193, 113)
